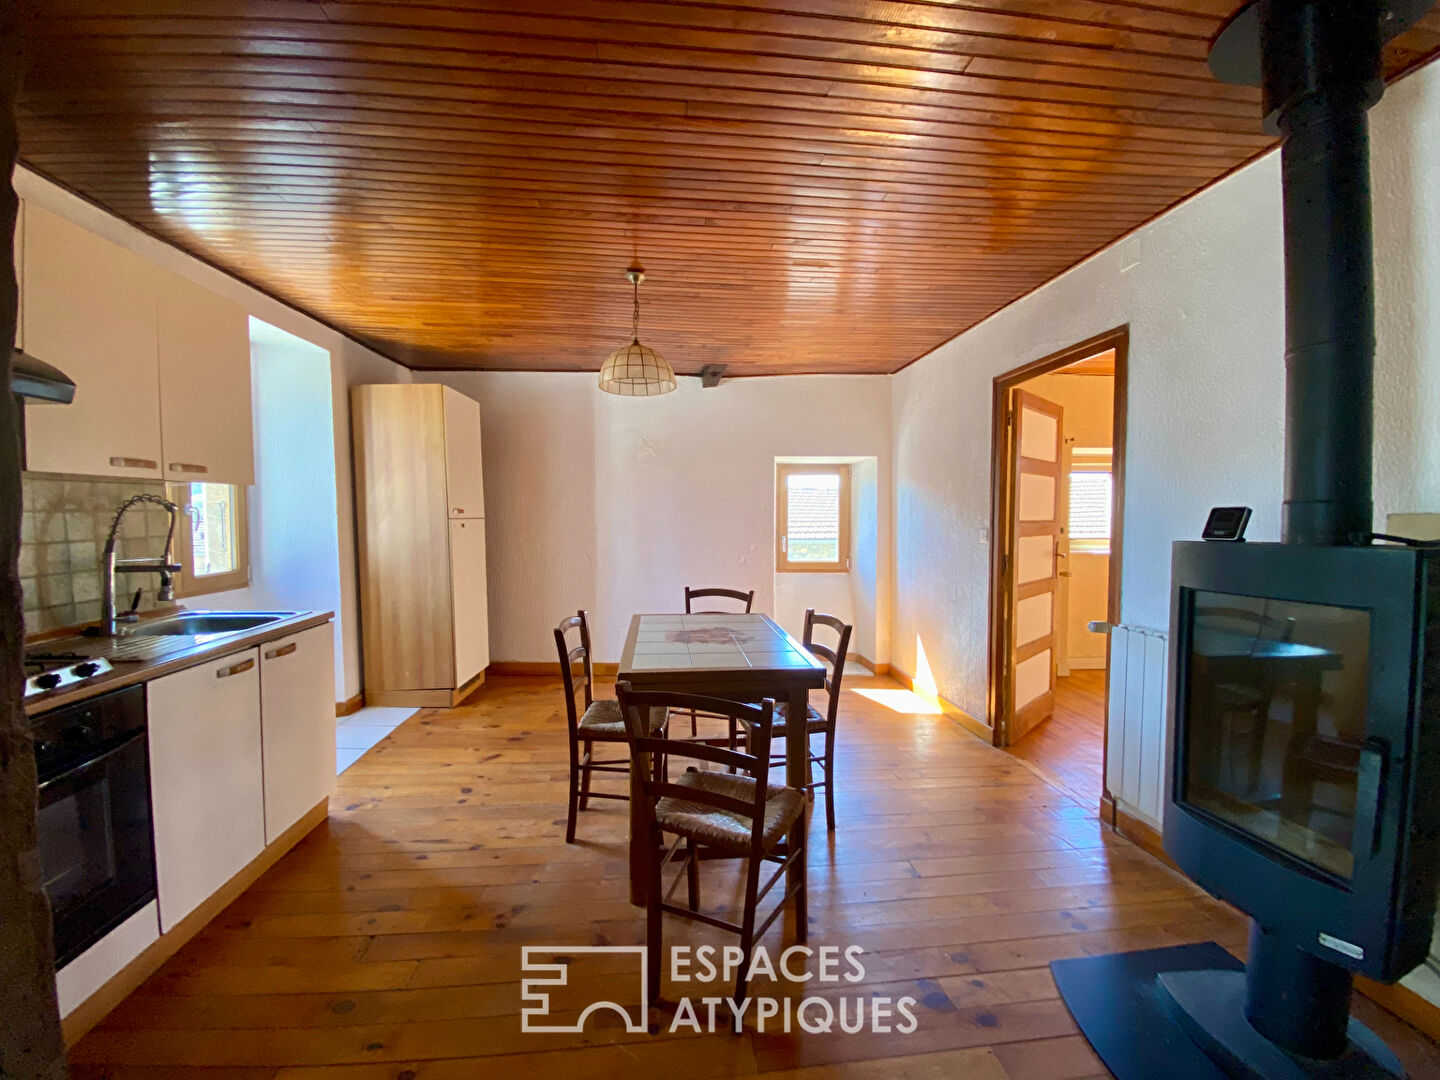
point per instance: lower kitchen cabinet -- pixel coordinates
(206, 784)
(297, 720)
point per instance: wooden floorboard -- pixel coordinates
(1068, 750)
(386, 946)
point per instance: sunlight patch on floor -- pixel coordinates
(902, 701)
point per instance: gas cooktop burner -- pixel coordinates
(54, 671)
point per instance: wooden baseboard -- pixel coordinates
(98, 1005)
(350, 706)
(426, 699)
(875, 669)
(1404, 1003)
(977, 728)
(543, 667)
(1143, 835)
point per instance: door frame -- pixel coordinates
(1002, 542)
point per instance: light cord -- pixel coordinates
(635, 324)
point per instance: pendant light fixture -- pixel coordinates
(636, 370)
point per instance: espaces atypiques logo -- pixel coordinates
(704, 976)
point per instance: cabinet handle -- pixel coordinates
(186, 467)
(283, 650)
(235, 669)
(460, 509)
(134, 463)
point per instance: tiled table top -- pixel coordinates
(675, 643)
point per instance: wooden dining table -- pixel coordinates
(737, 657)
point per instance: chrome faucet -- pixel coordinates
(165, 566)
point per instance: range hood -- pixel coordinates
(36, 380)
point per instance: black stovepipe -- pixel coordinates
(1320, 63)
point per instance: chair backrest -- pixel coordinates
(746, 598)
(832, 656)
(754, 720)
(569, 657)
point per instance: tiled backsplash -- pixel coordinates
(63, 530)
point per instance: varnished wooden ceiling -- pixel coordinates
(812, 185)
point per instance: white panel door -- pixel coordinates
(205, 422)
(468, 599)
(1034, 575)
(90, 311)
(205, 779)
(297, 720)
(464, 483)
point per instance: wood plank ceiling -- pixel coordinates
(812, 185)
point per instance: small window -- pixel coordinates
(213, 550)
(1090, 495)
(812, 518)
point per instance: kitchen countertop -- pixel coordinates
(187, 650)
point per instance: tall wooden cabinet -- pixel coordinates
(420, 504)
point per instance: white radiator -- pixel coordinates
(1137, 753)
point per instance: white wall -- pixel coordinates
(851, 595)
(350, 362)
(616, 504)
(294, 535)
(1202, 292)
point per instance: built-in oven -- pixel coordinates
(96, 841)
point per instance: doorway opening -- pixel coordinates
(1057, 480)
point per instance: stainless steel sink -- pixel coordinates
(205, 624)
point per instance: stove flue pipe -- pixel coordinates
(1320, 64)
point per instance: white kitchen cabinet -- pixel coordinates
(90, 311)
(464, 484)
(297, 721)
(206, 785)
(100, 963)
(203, 340)
(468, 598)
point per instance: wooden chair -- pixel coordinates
(691, 595)
(1244, 694)
(598, 722)
(734, 814)
(815, 723)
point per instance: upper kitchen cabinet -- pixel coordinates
(161, 365)
(465, 487)
(90, 310)
(205, 423)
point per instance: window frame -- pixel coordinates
(187, 584)
(1090, 459)
(783, 565)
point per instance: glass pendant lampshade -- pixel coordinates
(636, 370)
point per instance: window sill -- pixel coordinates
(211, 583)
